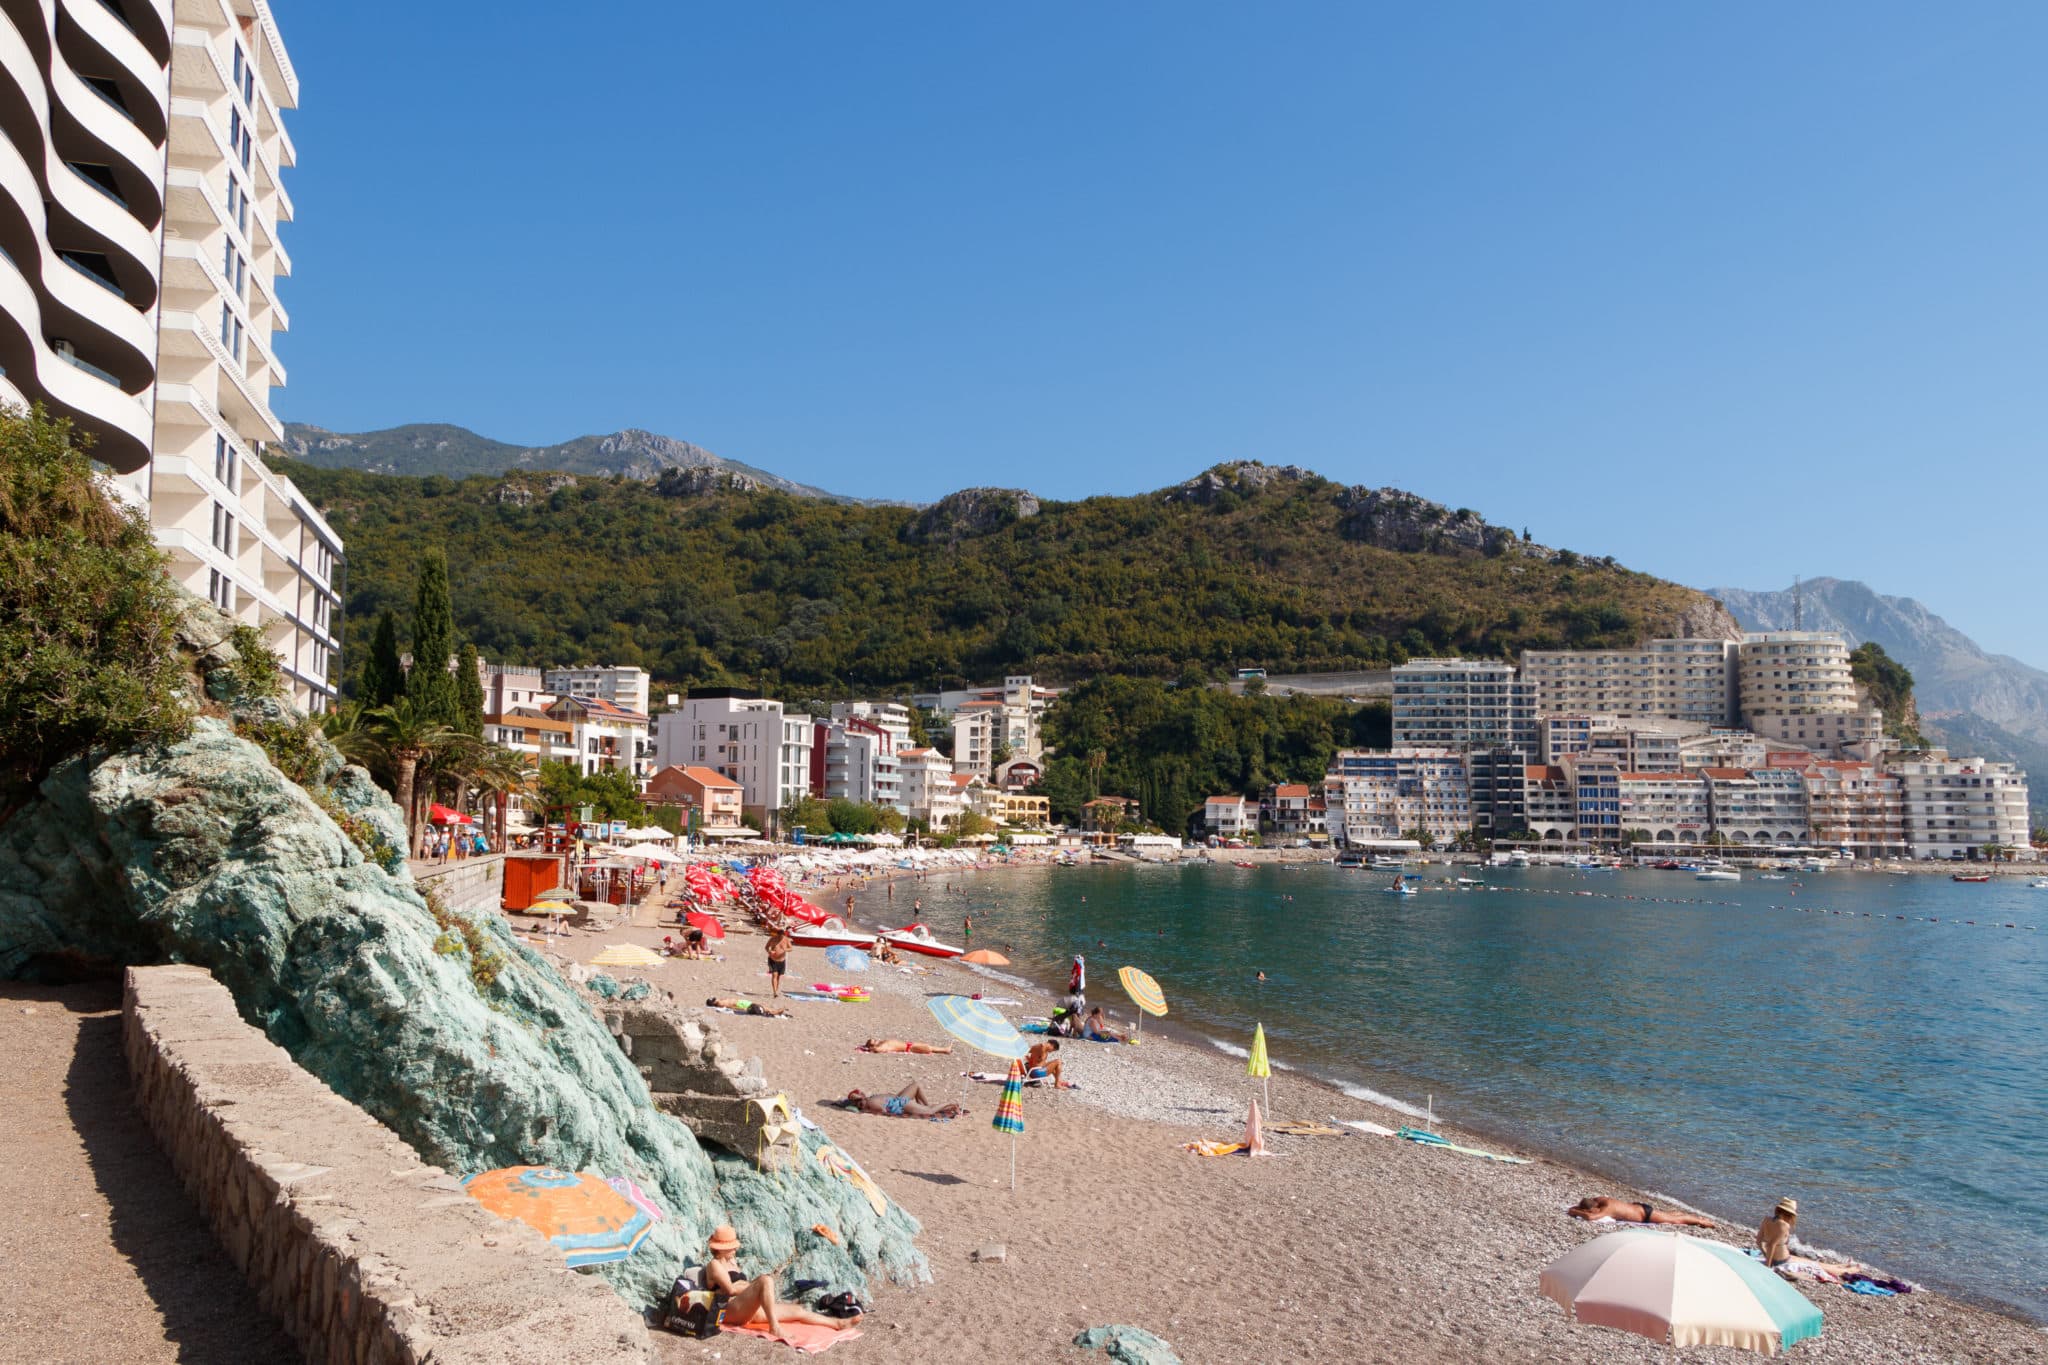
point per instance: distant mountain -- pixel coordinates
(1990, 704)
(457, 452)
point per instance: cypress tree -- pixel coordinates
(469, 691)
(430, 684)
(383, 676)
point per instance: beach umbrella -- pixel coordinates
(442, 815)
(1680, 1290)
(697, 919)
(1144, 993)
(626, 955)
(586, 1219)
(1254, 1136)
(1010, 1113)
(977, 1025)
(1258, 1066)
(639, 1198)
(847, 958)
(986, 957)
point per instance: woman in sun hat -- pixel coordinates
(752, 1301)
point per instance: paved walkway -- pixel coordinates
(103, 1257)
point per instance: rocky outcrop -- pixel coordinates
(694, 1074)
(1127, 1346)
(1394, 520)
(970, 512)
(1704, 619)
(699, 480)
(1241, 480)
(464, 1041)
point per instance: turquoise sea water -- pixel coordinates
(1761, 1039)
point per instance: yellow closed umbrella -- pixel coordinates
(626, 955)
(1259, 1066)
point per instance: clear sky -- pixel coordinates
(1729, 291)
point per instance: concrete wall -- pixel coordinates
(466, 883)
(365, 1254)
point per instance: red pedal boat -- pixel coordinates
(915, 938)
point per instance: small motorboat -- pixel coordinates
(830, 932)
(2041, 885)
(1971, 877)
(915, 938)
(1771, 877)
(1717, 874)
(1470, 881)
(1247, 866)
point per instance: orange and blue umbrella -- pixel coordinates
(589, 1222)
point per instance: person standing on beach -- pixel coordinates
(778, 959)
(967, 927)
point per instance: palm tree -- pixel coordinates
(504, 773)
(407, 734)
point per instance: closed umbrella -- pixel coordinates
(1144, 993)
(1258, 1066)
(586, 1219)
(1010, 1113)
(978, 1025)
(1680, 1290)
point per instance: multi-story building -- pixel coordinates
(1641, 744)
(928, 790)
(1377, 796)
(1227, 817)
(747, 738)
(606, 737)
(1289, 810)
(1014, 714)
(1550, 803)
(86, 113)
(1499, 781)
(507, 686)
(714, 799)
(854, 759)
(1797, 688)
(1676, 679)
(1596, 782)
(236, 531)
(624, 686)
(1956, 807)
(1665, 808)
(1857, 808)
(139, 204)
(1724, 749)
(1758, 806)
(1460, 704)
(1022, 810)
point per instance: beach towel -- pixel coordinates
(1862, 1286)
(1429, 1139)
(1214, 1148)
(1366, 1126)
(1000, 1077)
(1295, 1128)
(849, 1170)
(808, 1338)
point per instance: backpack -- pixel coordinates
(690, 1310)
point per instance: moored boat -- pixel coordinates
(830, 932)
(1971, 877)
(1717, 874)
(916, 938)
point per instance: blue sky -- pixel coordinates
(1730, 292)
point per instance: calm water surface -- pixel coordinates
(1892, 1074)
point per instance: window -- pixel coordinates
(238, 204)
(230, 330)
(226, 464)
(219, 590)
(223, 530)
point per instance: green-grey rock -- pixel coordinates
(1127, 1345)
(203, 852)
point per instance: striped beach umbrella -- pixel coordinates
(626, 955)
(589, 1222)
(978, 1025)
(1680, 1290)
(1144, 993)
(1258, 1066)
(1010, 1113)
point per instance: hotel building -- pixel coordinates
(1685, 679)
(1797, 688)
(1461, 703)
(749, 739)
(1956, 806)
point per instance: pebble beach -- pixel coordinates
(1351, 1247)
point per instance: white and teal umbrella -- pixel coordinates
(1680, 1290)
(978, 1025)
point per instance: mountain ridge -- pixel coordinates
(422, 449)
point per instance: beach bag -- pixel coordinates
(691, 1310)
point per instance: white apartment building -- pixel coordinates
(1012, 718)
(81, 219)
(236, 531)
(1956, 806)
(1797, 688)
(1379, 795)
(1676, 679)
(1461, 704)
(1666, 807)
(751, 740)
(1644, 744)
(139, 203)
(855, 760)
(1856, 807)
(929, 792)
(1550, 803)
(623, 685)
(1758, 805)
(1228, 817)
(507, 686)
(604, 737)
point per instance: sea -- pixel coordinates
(1873, 1045)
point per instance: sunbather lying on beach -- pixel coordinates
(1595, 1206)
(739, 1006)
(752, 1301)
(898, 1045)
(907, 1103)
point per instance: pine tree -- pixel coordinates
(430, 684)
(383, 677)
(469, 691)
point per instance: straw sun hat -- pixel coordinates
(1788, 1207)
(723, 1238)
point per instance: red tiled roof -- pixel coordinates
(708, 779)
(1290, 789)
(1726, 774)
(1542, 774)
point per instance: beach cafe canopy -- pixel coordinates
(442, 815)
(641, 836)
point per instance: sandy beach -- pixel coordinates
(1353, 1247)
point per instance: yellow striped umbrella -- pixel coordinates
(1144, 993)
(626, 955)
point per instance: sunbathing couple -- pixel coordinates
(907, 1103)
(898, 1045)
(751, 1302)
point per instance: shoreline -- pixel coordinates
(1381, 1250)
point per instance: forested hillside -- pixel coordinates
(702, 583)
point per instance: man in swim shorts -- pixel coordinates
(742, 1006)
(907, 1103)
(1042, 1062)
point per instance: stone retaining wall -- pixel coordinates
(365, 1254)
(465, 883)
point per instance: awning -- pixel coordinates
(442, 815)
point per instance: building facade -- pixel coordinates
(1955, 808)
(1674, 679)
(747, 738)
(929, 793)
(1227, 817)
(713, 798)
(1461, 703)
(623, 686)
(1758, 806)
(1375, 796)
(1856, 808)
(605, 737)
